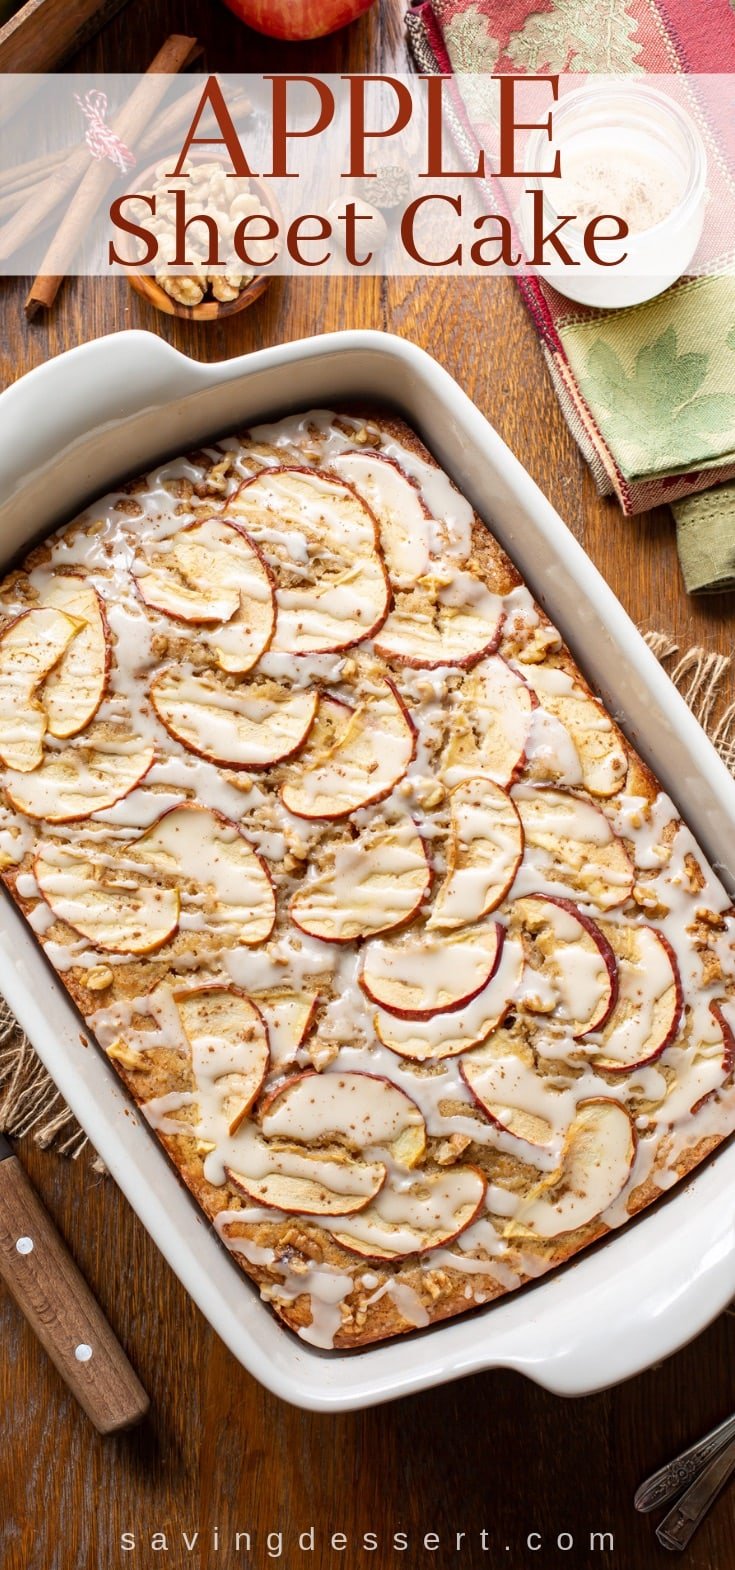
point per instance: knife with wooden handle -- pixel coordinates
(39, 1271)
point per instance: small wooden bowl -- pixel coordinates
(146, 286)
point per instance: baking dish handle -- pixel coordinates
(47, 410)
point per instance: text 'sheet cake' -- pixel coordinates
(411, 965)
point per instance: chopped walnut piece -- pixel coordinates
(538, 1005)
(321, 1053)
(367, 436)
(227, 286)
(451, 1149)
(97, 978)
(129, 506)
(534, 649)
(186, 291)
(648, 899)
(694, 874)
(119, 1053)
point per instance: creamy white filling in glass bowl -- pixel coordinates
(630, 150)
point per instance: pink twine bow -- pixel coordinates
(100, 138)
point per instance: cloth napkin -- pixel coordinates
(649, 392)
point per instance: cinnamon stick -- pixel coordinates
(180, 115)
(96, 176)
(20, 176)
(10, 201)
(42, 201)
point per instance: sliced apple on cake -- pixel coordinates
(321, 541)
(571, 842)
(484, 853)
(411, 1219)
(229, 1052)
(570, 973)
(418, 975)
(444, 620)
(364, 886)
(409, 536)
(211, 576)
(74, 689)
(445, 1035)
(603, 759)
(649, 1002)
(196, 845)
(491, 720)
(597, 1160)
(359, 764)
(94, 772)
(241, 726)
(31, 646)
(503, 1080)
(314, 1183)
(99, 897)
(357, 1110)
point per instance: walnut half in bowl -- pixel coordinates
(213, 196)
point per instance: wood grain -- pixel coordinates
(41, 1275)
(43, 32)
(491, 1453)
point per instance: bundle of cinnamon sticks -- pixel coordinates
(31, 193)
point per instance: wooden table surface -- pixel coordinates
(490, 1453)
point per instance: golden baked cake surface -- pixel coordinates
(411, 965)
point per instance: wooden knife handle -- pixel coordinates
(39, 1271)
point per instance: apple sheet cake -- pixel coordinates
(406, 957)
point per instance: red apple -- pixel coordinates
(298, 19)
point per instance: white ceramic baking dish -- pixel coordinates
(68, 431)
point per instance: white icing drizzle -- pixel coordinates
(371, 868)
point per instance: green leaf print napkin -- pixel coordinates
(658, 390)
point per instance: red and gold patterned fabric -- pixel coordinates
(649, 393)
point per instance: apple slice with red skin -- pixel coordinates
(31, 646)
(650, 1000)
(409, 536)
(317, 1183)
(369, 885)
(90, 775)
(322, 542)
(442, 621)
(572, 955)
(577, 844)
(603, 760)
(360, 1111)
(418, 976)
(98, 900)
(700, 1073)
(728, 1053)
(448, 1035)
(240, 727)
(501, 1078)
(229, 1050)
(597, 1160)
(361, 767)
(289, 1017)
(491, 722)
(195, 844)
(401, 1221)
(211, 575)
(74, 689)
(484, 854)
